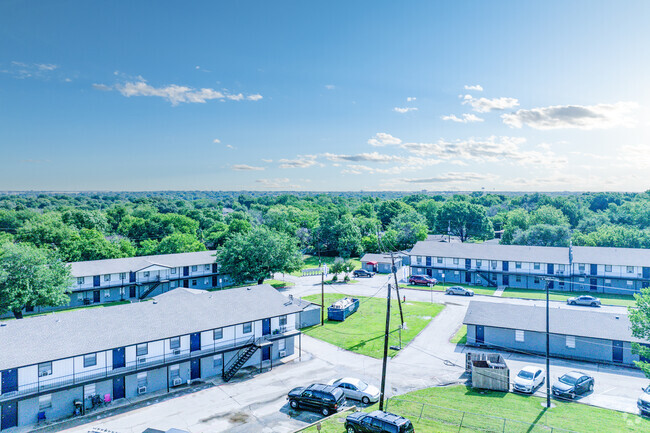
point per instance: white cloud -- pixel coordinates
(467, 118)
(404, 109)
(451, 177)
(216, 140)
(255, 97)
(246, 167)
(29, 70)
(600, 116)
(102, 87)
(410, 99)
(237, 97)
(302, 161)
(476, 87)
(278, 182)
(383, 139)
(483, 105)
(330, 86)
(230, 146)
(268, 161)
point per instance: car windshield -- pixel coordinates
(569, 380)
(525, 374)
(361, 385)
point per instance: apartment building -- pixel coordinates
(596, 269)
(52, 361)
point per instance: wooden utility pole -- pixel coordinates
(548, 363)
(399, 302)
(383, 368)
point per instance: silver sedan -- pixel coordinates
(587, 300)
(357, 389)
(459, 290)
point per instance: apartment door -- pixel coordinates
(480, 334)
(266, 327)
(195, 341)
(118, 388)
(96, 282)
(195, 369)
(215, 281)
(617, 351)
(550, 269)
(430, 272)
(132, 292)
(646, 273)
(118, 358)
(186, 271)
(10, 380)
(506, 280)
(131, 277)
(186, 283)
(96, 296)
(266, 353)
(428, 261)
(468, 277)
(593, 284)
(504, 266)
(468, 263)
(9, 415)
(593, 269)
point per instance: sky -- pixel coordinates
(324, 95)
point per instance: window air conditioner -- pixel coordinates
(44, 373)
(142, 390)
(177, 351)
(177, 381)
(283, 328)
(283, 353)
(142, 360)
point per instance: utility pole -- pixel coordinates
(383, 367)
(322, 290)
(548, 364)
(399, 303)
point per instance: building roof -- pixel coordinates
(514, 253)
(133, 264)
(563, 321)
(442, 238)
(612, 256)
(177, 312)
(381, 258)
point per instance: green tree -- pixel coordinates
(258, 254)
(548, 215)
(465, 220)
(517, 219)
(179, 243)
(543, 235)
(640, 320)
(336, 268)
(429, 209)
(389, 209)
(30, 276)
(410, 228)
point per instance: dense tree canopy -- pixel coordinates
(640, 320)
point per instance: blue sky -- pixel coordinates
(364, 95)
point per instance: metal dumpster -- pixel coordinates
(341, 309)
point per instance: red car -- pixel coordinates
(423, 280)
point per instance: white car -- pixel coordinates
(459, 290)
(643, 403)
(357, 389)
(528, 379)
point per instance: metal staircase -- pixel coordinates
(487, 279)
(239, 359)
(149, 290)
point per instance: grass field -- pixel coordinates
(460, 337)
(479, 290)
(363, 332)
(312, 262)
(606, 298)
(485, 411)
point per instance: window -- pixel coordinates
(194, 282)
(536, 280)
(107, 293)
(608, 283)
(146, 274)
(175, 342)
(570, 341)
(194, 268)
(107, 277)
(217, 334)
(80, 280)
(44, 369)
(493, 264)
(536, 266)
(608, 268)
(123, 276)
(282, 344)
(44, 401)
(494, 277)
(518, 265)
(455, 261)
(283, 320)
(561, 282)
(247, 327)
(80, 296)
(89, 390)
(630, 283)
(207, 267)
(142, 379)
(173, 284)
(581, 267)
(419, 260)
(172, 271)
(456, 273)
(582, 280)
(175, 371)
(560, 268)
(206, 281)
(519, 335)
(439, 259)
(141, 349)
(518, 278)
(478, 263)
(630, 269)
(90, 360)
(217, 360)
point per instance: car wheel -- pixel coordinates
(365, 400)
(572, 303)
(467, 294)
(593, 304)
(351, 429)
(293, 404)
(325, 411)
(448, 292)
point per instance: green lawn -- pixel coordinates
(485, 411)
(363, 332)
(278, 284)
(460, 337)
(65, 310)
(312, 262)
(606, 298)
(479, 290)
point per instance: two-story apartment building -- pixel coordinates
(133, 278)
(50, 362)
(598, 269)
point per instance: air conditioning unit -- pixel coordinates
(142, 360)
(177, 351)
(44, 373)
(283, 353)
(177, 381)
(283, 329)
(142, 390)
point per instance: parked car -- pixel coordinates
(643, 403)
(377, 421)
(325, 399)
(424, 280)
(528, 379)
(459, 290)
(572, 384)
(362, 273)
(587, 300)
(357, 389)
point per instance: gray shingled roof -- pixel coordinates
(133, 264)
(380, 258)
(514, 253)
(563, 321)
(178, 312)
(612, 256)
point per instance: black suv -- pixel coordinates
(325, 399)
(377, 421)
(362, 273)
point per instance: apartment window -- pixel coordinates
(630, 283)
(107, 293)
(122, 276)
(519, 335)
(107, 277)
(518, 278)
(582, 280)
(146, 274)
(194, 268)
(455, 261)
(194, 282)
(493, 264)
(456, 273)
(217, 360)
(630, 269)
(44, 401)
(89, 390)
(581, 267)
(206, 281)
(172, 271)
(141, 349)
(560, 268)
(80, 280)
(439, 259)
(217, 334)
(419, 260)
(570, 341)
(207, 267)
(561, 283)
(608, 268)
(283, 320)
(517, 265)
(247, 327)
(44, 369)
(478, 263)
(536, 266)
(90, 360)
(142, 379)
(282, 344)
(608, 282)
(175, 371)
(175, 342)
(494, 277)
(173, 284)
(80, 296)
(536, 280)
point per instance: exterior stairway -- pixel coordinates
(490, 283)
(238, 360)
(149, 290)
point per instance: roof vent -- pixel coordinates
(155, 302)
(617, 317)
(3, 324)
